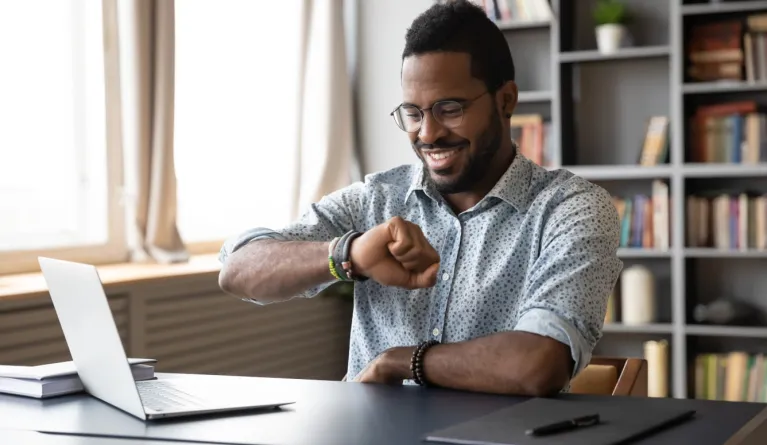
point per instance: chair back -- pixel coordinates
(617, 376)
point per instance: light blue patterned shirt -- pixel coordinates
(537, 254)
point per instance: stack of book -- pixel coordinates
(645, 218)
(533, 137)
(727, 220)
(56, 379)
(734, 376)
(730, 132)
(516, 10)
(715, 51)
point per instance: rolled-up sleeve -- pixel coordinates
(332, 216)
(567, 288)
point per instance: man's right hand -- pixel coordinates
(395, 253)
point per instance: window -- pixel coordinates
(236, 114)
(54, 185)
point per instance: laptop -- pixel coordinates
(91, 334)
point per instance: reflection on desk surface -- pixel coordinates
(342, 413)
(36, 438)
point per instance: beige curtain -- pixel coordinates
(326, 136)
(144, 35)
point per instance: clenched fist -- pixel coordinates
(396, 253)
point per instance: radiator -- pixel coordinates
(190, 326)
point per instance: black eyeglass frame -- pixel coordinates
(463, 103)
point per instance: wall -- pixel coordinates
(381, 38)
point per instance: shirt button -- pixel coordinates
(445, 277)
(435, 332)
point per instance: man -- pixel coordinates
(475, 269)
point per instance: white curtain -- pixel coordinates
(144, 48)
(143, 33)
(326, 124)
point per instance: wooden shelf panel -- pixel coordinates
(524, 24)
(655, 328)
(724, 170)
(727, 331)
(722, 87)
(534, 96)
(617, 172)
(723, 7)
(709, 252)
(628, 252)
(639, 52)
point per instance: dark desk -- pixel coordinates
(19, 437)
(339, 413)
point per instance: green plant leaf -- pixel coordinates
(610, 11)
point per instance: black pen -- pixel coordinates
(566, 425)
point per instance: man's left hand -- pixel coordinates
(391, 367)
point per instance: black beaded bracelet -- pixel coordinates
(416, 361)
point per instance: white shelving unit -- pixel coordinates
(598, 105)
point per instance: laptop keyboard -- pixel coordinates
(161, 395)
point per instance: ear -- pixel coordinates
(507, 95)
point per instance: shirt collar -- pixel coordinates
(512, 187)
(514, 184)
(416, 183)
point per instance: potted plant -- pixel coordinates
(610, 17)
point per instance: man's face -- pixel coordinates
(454, 159)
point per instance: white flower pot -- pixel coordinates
(610, 37)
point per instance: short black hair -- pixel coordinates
(462, 26)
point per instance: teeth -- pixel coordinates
(440, 156)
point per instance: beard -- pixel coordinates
(478, 163)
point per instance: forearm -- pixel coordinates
(518, 363)
(270, 270)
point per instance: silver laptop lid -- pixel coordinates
(91, 334)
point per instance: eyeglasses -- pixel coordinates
(448, 113)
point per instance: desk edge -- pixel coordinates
(746, 434)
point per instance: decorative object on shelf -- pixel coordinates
(656, 354)
(724, 311)
(637, 295)
(610, 17)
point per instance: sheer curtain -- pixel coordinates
(326, 134)
(143, 34)
(225, 127)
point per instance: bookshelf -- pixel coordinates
(597, 107)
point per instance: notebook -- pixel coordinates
(621, 419)
(56, 379)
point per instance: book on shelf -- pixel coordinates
(755, 48)
(730, 132)
(728, 50)
(715, 51)
(645, 219)
(733, 376)
(516, 10)
(56, 379)
(533, 137)
(727, 220)
(656, 142)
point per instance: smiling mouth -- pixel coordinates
(438, 156)
(440, 161)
